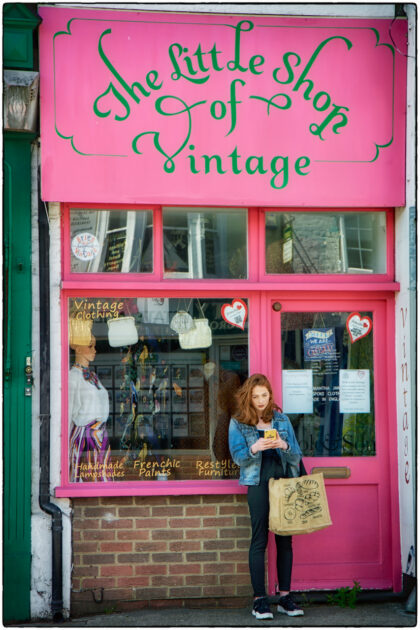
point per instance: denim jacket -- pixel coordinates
(243, 436)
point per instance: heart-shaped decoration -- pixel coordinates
(235, 313)
(358, 326)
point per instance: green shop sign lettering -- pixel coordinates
(195, 69)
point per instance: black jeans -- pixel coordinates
(258, 504)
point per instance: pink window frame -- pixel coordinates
(345, 278)
(143, 488)
(256, 289)
(255, 243)
(105, 277)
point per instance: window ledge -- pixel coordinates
(150, 488)
(163, 287)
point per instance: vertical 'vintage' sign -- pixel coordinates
(257, 110)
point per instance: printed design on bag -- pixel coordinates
(313, 510)
(299, 504)
(303, 499)
(289, 514)
(288, 492)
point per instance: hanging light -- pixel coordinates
(20, 100)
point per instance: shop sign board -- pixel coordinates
(166, 108)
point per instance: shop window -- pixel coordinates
(328, 382)
(205, 243)
(325, 242)
(113, 241)
(151, 387)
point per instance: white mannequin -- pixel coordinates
(90, 453)
(86, 401)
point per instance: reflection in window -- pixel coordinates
(325, 242)
(320, 343)
(151, 388)
(111, 241)
(208, 243)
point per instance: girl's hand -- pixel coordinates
(278, 442)
(263, 444)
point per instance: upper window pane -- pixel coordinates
(325, 242)
(205, 243)
(114, 241)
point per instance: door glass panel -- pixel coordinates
(328, 382)
(325, 242)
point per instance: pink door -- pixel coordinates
(336, 386)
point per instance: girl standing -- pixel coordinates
(261, 458)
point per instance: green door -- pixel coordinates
(17, 406)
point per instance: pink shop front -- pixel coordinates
(227, 188)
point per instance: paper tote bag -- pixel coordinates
(298, 505)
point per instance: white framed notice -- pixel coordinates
(297, 391)
(354, 391)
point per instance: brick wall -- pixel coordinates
(130, 552)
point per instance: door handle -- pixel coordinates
(29, 380)
(333, 472)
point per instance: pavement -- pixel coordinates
(365, 614)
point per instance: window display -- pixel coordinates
(148, 407)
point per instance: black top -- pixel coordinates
(271, 465)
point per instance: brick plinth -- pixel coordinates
(131, 552)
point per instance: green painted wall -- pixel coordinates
(19, 38)
(17, 406)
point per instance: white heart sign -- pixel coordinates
(358, 326)
(235, 313)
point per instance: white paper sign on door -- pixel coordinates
(297, 391)
(354, 391)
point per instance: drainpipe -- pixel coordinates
(44, 432)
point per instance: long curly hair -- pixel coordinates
(245, 410)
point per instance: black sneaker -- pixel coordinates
(261, 608)
(289, 607)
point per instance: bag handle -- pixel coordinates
(186, 308)
(201, 309)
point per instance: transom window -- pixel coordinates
(111, 241)
(325, 242)
(198, 243)
(205, 243)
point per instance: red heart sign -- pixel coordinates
(358, 326)
(235, 313)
